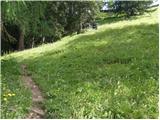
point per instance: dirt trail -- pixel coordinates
(35, 112)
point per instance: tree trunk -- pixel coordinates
(79, 28)
(43, 40)
(21, 39)
(32, 42)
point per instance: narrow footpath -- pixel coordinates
(36, 111)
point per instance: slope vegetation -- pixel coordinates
(111, 72)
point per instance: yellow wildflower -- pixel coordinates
(9, 94)
(13, 94)
(5, 99)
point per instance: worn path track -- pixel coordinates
(35, 112)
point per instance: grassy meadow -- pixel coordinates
(111, 72)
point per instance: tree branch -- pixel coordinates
(10, 37)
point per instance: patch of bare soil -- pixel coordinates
(35, 112)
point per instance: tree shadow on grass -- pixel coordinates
(109, 20)
(114, 19)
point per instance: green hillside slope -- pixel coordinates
(111, 72)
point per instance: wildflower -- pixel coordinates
(5, 99)
(9, 94)
(13, 94)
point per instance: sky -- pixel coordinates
(105, 7)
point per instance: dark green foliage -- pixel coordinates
(130, 8)
(80, 13)
(43, 22)
(9, 38)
